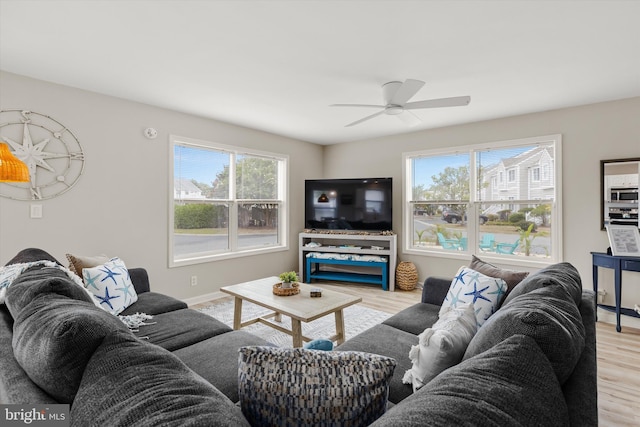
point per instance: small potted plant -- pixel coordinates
(288, 277)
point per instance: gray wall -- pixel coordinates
(119, 207)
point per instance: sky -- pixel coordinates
(198, 163)
(426, 167)
(203, 165)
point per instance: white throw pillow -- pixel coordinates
(442, 345)
(470, 286)
(110, 285)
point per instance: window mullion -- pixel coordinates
(233, 204)
(473, 208)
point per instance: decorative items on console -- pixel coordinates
(351, 232)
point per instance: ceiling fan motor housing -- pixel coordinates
(388, 90)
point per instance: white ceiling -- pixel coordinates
(277, 65)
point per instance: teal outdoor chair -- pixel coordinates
(488, 243)
(451, 244)
(507, 248)
(464, 243)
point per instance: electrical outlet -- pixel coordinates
(194, 280)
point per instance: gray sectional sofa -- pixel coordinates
(532, 363)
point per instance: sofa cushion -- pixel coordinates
(580, 390)
(53, 339)
(216, 359)
(416, 318)
(562, 277)
(511, 277)
(31, 255)
(129, 382)
(77, 263)
(302, 387)
(511, 384)
(111, 285)
(387, 341)
(470, 286)
(554, 323)
(181, 328)
(140, 279)
(441, 346)
(40, 280)
(154, 303)
(15, 384)
(435, 290)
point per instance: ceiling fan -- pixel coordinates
(395, 96)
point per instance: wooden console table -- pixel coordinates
(618, 264)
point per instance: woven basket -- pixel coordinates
(286, 292)
(406, 276)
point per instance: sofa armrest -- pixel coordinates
(581, 389)
(435, 289)
(140, 280)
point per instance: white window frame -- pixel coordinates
(234, 251)
(474, 204)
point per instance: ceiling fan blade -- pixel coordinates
(456, 101)
(365, 119)
(409, 88)
(357, 105)
(409, 118)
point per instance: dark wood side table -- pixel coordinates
(618, 264)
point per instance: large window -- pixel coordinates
(488, 199)
(225, 201)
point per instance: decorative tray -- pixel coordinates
(285, 292)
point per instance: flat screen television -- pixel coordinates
(362, 204)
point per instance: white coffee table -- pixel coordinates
(300, 307)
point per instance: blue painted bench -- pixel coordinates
(313, 271)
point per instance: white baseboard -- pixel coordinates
(204, 298)
(610, 317)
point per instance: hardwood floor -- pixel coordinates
(618, 354)
(618, 375)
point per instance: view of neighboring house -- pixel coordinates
(527, 176)
(184, 189)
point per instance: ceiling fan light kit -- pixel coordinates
(396, 95)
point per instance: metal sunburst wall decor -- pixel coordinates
(51, 151)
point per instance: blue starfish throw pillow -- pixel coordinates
(470, 286)
(110, 285)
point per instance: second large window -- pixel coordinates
(500, 199)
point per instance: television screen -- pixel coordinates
(348, 204)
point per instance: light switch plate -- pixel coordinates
(36, 211)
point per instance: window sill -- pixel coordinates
(528, 262)
(212, 257)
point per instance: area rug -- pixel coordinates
(357, 318)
